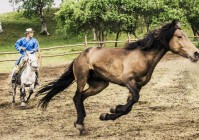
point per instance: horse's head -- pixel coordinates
(180, 44)
(32, 61)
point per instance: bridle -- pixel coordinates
(30, 61)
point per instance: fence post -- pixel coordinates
(39, 56)
(94, 34)
(104, 44)
(86, 43)
(129, 38)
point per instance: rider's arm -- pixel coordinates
(35, 47)
(18, 45)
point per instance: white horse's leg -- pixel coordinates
(22, 95)
(14, 86)
(31, 90)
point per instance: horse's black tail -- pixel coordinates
(57, 86)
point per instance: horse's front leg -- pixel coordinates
(121, 110)
(22, 95)
(31, 90)
(14, 86)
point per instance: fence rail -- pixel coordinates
(7, 60)
(58, 47)
(8, 53)
(77, 52)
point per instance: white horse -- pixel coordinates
(26, 78)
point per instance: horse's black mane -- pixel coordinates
(156, 38)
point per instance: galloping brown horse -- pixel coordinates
(130, 67)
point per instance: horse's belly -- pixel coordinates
(27, 81)
(143, 80)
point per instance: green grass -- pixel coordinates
(14, 25)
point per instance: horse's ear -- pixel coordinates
(175, 22)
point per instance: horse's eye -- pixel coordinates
(179, 36)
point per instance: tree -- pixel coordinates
(66, 19)
(191, 12)
(121, 17)
(12, 4)
(82, 17)
(95, 11)
(36, 7)
(104, 16)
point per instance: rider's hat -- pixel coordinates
(29, 30)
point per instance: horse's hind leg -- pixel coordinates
(81, 76)
(78, 101)
(95, 86)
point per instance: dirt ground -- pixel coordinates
(168, 109)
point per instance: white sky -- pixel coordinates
(5, 6)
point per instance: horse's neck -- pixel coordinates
(28, 72)
(154, 57)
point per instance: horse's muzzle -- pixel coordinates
(195, 57)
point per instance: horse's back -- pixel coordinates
(98, 55)
(109, 63)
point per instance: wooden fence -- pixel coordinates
(86, 43)
(69, 53)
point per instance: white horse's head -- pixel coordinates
(32, 61)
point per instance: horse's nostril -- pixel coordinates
(196, 54)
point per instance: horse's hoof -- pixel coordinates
(84, 132)
(80, 128)
(13, 104)
(113, 109)
(25, 100)
(23, 104)
(103, 116)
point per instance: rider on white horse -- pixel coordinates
(24, 44)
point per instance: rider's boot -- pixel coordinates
(15, 73)
(14, 76)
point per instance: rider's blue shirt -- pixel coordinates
(30, 45)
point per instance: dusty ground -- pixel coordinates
(168, 109)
